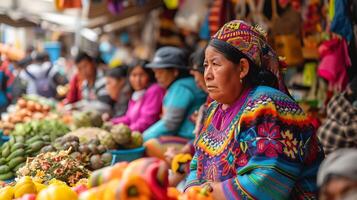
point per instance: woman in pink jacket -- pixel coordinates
(144, 107)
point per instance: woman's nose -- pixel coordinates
(208, 73)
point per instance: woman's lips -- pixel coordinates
(210, 87)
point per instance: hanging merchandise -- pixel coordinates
(220, 12)
(287, 35)
(63, 4)
(334, 63)
(296, 4)
(169, 34)
(115, 6)
(204, 30)
(256, 16)
(172, 4)
(341, 23)
(309, 74)
(191, 14)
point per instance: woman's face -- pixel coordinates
(337, 188)
(165, 76)
(114, 87)
(200, 80)
(222, 77)
(139, 79)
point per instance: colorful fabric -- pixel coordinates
(182, 98)
(6, 83)
(144, 112)
(341, 23)
(158, 146)
(334, 63)
(74, 93)
(268, 151)
(339, 130)
(251, 41)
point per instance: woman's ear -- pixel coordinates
(243, 67)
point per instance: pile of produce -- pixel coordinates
(92, 155)
(111, 136)
(40, 128)
(54, 165)
(145, 178)
(87, 119)
(25, 111)
(15, 152)
(27, 140)
(28, 188)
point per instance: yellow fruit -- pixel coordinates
(57, 191)
(7, 193)
(110, 189)
(89, 194)
(39, 186)
(24, 186)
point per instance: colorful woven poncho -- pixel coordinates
(262, 148)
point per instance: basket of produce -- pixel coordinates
(127, 154)
(130, 143)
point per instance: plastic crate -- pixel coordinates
(127, 154)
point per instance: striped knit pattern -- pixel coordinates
(272, 152)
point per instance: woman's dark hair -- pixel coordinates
(257, 75)
(118, 72)
(197, 59)
(142, 64)
(82, 56)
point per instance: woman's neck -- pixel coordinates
(225, 106)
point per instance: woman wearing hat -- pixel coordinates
(181, 100)
(256, 142)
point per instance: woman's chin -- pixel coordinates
(214, 95)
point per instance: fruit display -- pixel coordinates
(145, 178)
(41, 128)
(25, 111)
(124, 137)
(28, 188)
(54, 165)
(111, 136)
(87, 119)
(92, 155)
(14, 153)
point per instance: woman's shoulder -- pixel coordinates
(155, 87)
(264, 96)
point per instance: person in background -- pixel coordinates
(337, 177)
(182, 99)
(93, 89)
(41, 77)
(197, 71)
(339, 130)
(6, 83)
(144, 107)
(74, 91)
(19, 85)
(256, 142)
(119, 90)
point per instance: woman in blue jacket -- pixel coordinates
(182, 99)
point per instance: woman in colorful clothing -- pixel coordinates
(144, 107)
(256, 142)
(182, 99)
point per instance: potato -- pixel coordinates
(46, 108)
(22, 103)
(38, 107)
(31, 105)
